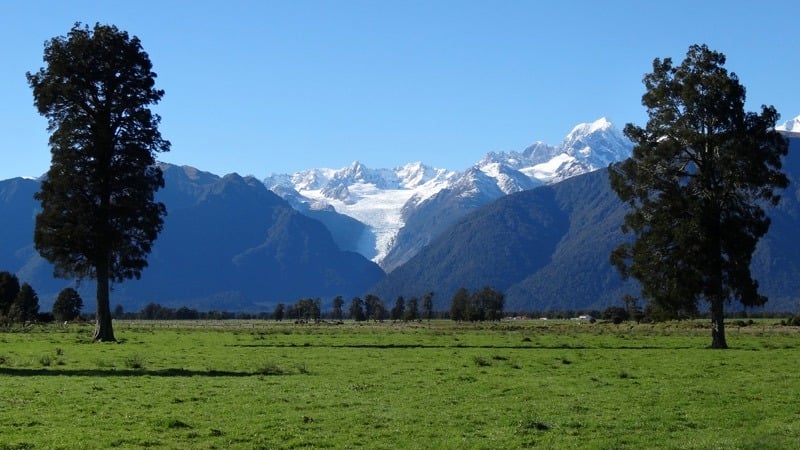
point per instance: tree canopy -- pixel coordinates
(99, 218)
(68, 305)
(9, 288)
(701, 171)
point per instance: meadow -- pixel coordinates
(437, 385)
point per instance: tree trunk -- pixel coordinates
(718, 325)
(103, 329)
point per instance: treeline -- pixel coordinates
(370, 307)
(484, 304)
(19, 303)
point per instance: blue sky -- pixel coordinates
(261, 87)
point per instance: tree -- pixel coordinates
(412, 310)
(374, 308)
(491, 303)
(616, 314)
(357, 310)
(427, 305)
(99, 218)
(338, 303)
(68, 305)
(9, 288)
(26, 305)
(459, 305)
(279, 312)
(119, 312)
(701, 171)
(399, 309)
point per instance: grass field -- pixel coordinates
(441, 385)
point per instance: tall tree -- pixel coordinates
(99, 218)
(399, 309)
(412, 310)
(279, 312)
(26, 305)
(338, 303)
(427, 305)
(373, 308)
(701, 171)
(459, 305)
(68, 305)
(9, 288)
(357, 310)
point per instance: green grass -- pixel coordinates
(440, 385)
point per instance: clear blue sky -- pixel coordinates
(261, 87)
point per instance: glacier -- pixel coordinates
(382, 198)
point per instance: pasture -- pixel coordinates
(438, 385)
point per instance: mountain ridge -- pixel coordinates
(389, 200)
(578, 225)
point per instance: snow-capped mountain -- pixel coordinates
(386, 200)
(790, 126)
(588, 147)
(375, 197)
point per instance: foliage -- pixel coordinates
(373, 308)
(338, 303)
(412, 310)
(308, 310)
(154, 311)
(26, 305)
(9, 288)
(483, 304)
(427, 305)
(616, 314)
(459, 304)
(357, 310)
(99, 218)
(68, 305)
(399, 309)
(279, 312)
(700, 173)
(794, 321)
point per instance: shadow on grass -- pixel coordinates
(466, 346)
(30, 372)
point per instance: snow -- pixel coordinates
(584, 129)
(379, 197)
(380, 209)
(791, 126)
(549, 170)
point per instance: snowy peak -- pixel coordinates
(508, 179)
(600, 125)
(790, 126)
(589, 146)
(358, 173)
(336, 183)
(596, 144)
(416, 174)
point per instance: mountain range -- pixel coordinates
(548, 248)
(537, 224)
(405, 208)
(228, 243)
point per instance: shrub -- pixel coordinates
(480, 361)
(135, 362)
(270, 368)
